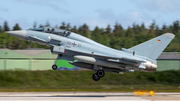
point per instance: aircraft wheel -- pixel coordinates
(95, 77)
(100, 73)
(54, 67)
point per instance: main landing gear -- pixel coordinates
(99, 74)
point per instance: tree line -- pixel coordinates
(115, 37)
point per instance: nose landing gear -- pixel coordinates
(54, 67)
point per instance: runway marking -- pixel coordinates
(84, 96)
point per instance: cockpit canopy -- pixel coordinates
(39, 29)
(54, 31)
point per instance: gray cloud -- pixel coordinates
(57, 8)
(23, 23)
(50, 3)
(1, 21)
(126, 19)
(4, 9)
(106, 14)
(39, 1)
(159, 5)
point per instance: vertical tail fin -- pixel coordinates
(154, 47)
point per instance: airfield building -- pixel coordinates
(42, 59)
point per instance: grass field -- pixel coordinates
(82, 81)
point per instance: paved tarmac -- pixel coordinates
(85, 96)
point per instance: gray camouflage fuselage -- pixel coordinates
(92, 55)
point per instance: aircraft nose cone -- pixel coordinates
(19, 34)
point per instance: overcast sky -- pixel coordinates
(92, 12)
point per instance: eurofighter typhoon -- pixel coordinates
(97, 57)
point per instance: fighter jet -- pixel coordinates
(86, 53)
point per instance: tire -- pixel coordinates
(95, 77)
(100, 73)
(54, 67)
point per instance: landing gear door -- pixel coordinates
(55, 42)
(58, 49)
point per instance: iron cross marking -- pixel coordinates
(74, 44)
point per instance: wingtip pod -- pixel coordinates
(170, 35)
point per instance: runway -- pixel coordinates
(85, 96)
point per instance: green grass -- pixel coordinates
(82, 81)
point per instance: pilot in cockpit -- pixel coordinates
(64, 33)
(52, 31)
(68, 33)
(48, 30)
